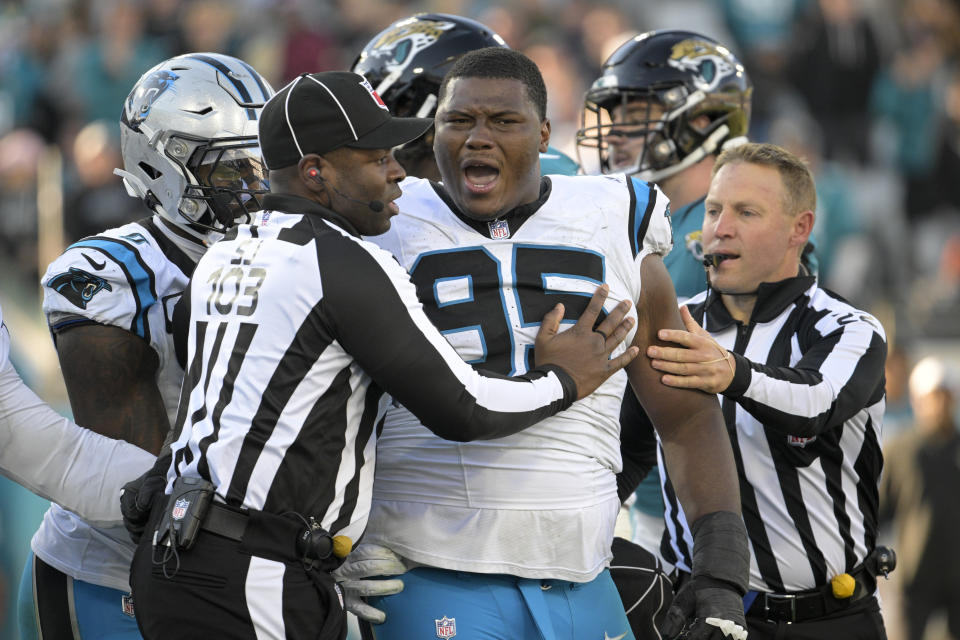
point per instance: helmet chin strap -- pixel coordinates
(134, 185)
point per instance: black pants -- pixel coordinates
(862, 621)
(644, 588)
(219, 590)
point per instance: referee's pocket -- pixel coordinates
(191, 578)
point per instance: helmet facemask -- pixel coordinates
(653, 133)
(664, 101)
(229, 180)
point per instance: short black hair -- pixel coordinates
(500, 63)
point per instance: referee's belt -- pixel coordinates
(264, 534)
(808, 605)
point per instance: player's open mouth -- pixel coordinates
(479, 177)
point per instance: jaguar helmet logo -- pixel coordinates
(708, 62)
(399, 46)
(78, 286)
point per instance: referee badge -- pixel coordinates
(499, 229)
(447, 627)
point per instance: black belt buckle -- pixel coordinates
(785, 607)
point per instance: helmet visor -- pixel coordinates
(230, 178)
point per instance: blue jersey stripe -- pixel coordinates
(225, 70)
(139, 276)
(643, 198)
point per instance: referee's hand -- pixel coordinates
(582, 350)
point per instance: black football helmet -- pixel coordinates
(670, 78)
(406, 63)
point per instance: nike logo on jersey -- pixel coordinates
(96, 265)
(606, 637)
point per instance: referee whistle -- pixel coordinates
(714, 259)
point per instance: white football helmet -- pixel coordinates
(188, 135)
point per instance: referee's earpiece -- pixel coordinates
(314, 175)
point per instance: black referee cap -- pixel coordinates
(320, 112)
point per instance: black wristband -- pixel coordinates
(720, 549)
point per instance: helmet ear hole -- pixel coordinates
(151, 171)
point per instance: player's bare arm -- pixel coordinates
(695, 442)
(697, 363)
(110, 376)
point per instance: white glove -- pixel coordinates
(369, 561)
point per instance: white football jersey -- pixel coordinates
(541, 503)
(130, 277)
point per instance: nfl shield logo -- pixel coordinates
(447, 627)
(126, 602)
(180, 508)
(499, 229)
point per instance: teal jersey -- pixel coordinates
(556, 162)
(685, 260)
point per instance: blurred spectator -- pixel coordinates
(20, 154)
(935, 299)
(833, 62)
(761, 30)
(104, 67)
(98, 201)
(309, 44)
(919, 493)
(207, 25)
(898, 416)
(566, 93)
(904, 98)
(941, 185)
(161, 23)
(600, 25)
(25, 70)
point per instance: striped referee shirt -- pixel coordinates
(298, 331)
(803, 412)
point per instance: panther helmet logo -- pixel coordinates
(78, 286)
(140, 101)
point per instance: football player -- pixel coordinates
(512, 538)
(189, 143)
(666, 103)
(406, 63)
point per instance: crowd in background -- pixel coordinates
(868, 91)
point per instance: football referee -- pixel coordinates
(298, 331)
(800, 377)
